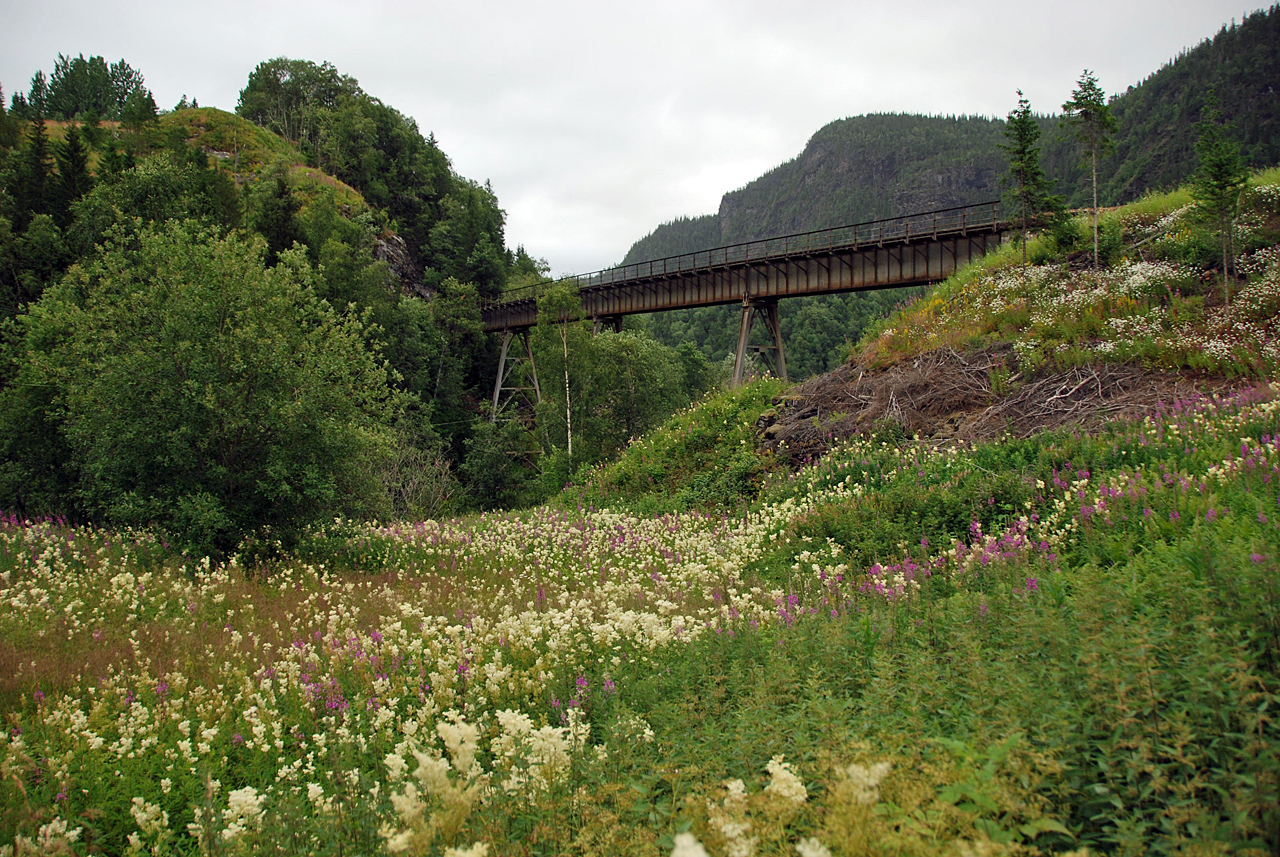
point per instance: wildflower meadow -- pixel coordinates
(1064, 642)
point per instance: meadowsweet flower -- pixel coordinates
(687, 845)
(865, 781)
(783, 782)
(480, 849)
(150, 819)
(460, 739)
(729, 817)
(396, 767)
(244, 812)
(811, 847)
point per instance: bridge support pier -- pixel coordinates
(767, 310)
(506, 363)
(609, 322)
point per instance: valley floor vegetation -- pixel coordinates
(1040, 644)
(1026, 646)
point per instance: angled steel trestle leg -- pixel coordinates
(767, 308)
(506, 362)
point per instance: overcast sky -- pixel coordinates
(597, 121)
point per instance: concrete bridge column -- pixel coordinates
(767, 309)
(506, 363)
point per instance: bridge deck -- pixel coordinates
(880, 254)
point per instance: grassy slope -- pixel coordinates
(248, 151)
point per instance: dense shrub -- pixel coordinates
(195, 390)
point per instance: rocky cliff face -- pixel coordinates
(394, 251)
(868, 167)
(853, 170)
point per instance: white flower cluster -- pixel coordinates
(783, 782)
(865, 781)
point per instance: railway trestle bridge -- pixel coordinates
(881, 254)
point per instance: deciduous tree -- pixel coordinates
(200, 391)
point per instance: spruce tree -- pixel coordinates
(33, 190)
(39, 96)
(8, 126)
(73, 180)
(1028, 187)
(276, 218)
(1218, 180)
(1088, 116)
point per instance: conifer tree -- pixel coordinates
(33, 191)
(139, 109)
(1088, 116)
(73, 180)
(1218, 180)
(1027, 183)
(39, 95)
(8, 126)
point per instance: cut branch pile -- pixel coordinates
(946, 397)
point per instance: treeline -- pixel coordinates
(143, 255)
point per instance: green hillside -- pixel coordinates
(885, 165)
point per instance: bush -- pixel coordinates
(201, 392)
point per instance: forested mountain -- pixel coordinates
(885, 165)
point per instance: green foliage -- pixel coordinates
(9, 128)
(701, 458)
(1028, 187)
(1089, 119)
(34, 168)
(79, 87)
(139, 109)
(274, 213)
(240, 145)
(498, 469)
(1149, 304)
(165, 186)
(454, 224)
(1218, 182)
(1089, 658)
(284, 95)
(74, 180)
(1156, 135)
(202, 393)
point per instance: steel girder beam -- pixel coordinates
(849, 269)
